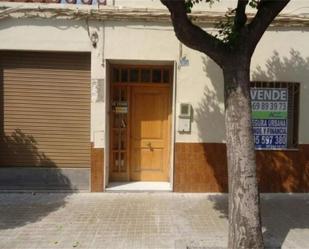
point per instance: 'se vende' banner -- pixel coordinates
(270, 117)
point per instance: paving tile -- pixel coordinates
(141, 220)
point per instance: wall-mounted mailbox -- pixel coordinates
(184, 118)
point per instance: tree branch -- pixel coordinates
(267, 11)
(240, 16)
(192, 35)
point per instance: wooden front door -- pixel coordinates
(140, 123)
(149, 133)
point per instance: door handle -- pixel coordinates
(149, 146)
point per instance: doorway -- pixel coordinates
(140, 123)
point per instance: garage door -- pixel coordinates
(45, 109)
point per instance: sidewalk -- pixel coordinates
(141, 220)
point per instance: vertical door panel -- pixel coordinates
(149, 133)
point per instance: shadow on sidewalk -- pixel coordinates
(19, 209)
(280, 215)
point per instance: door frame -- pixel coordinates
(172, 118)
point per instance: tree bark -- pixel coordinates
(244, 214)
(234, 58)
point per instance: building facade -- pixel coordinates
(101, 94)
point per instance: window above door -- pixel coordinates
(141, 74)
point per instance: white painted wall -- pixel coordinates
(198, 83)
(44, 34)
(283, 55)
(138, 41)
(201, 84)
(294, 7)
(98, 84)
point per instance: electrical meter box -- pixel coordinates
(184, 118)
(185, 110)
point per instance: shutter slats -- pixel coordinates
(45, 96)
(45, 117)
(34, 103)
(47, 92)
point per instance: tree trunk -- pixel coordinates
(244, 214)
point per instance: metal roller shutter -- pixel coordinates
(45, 109)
